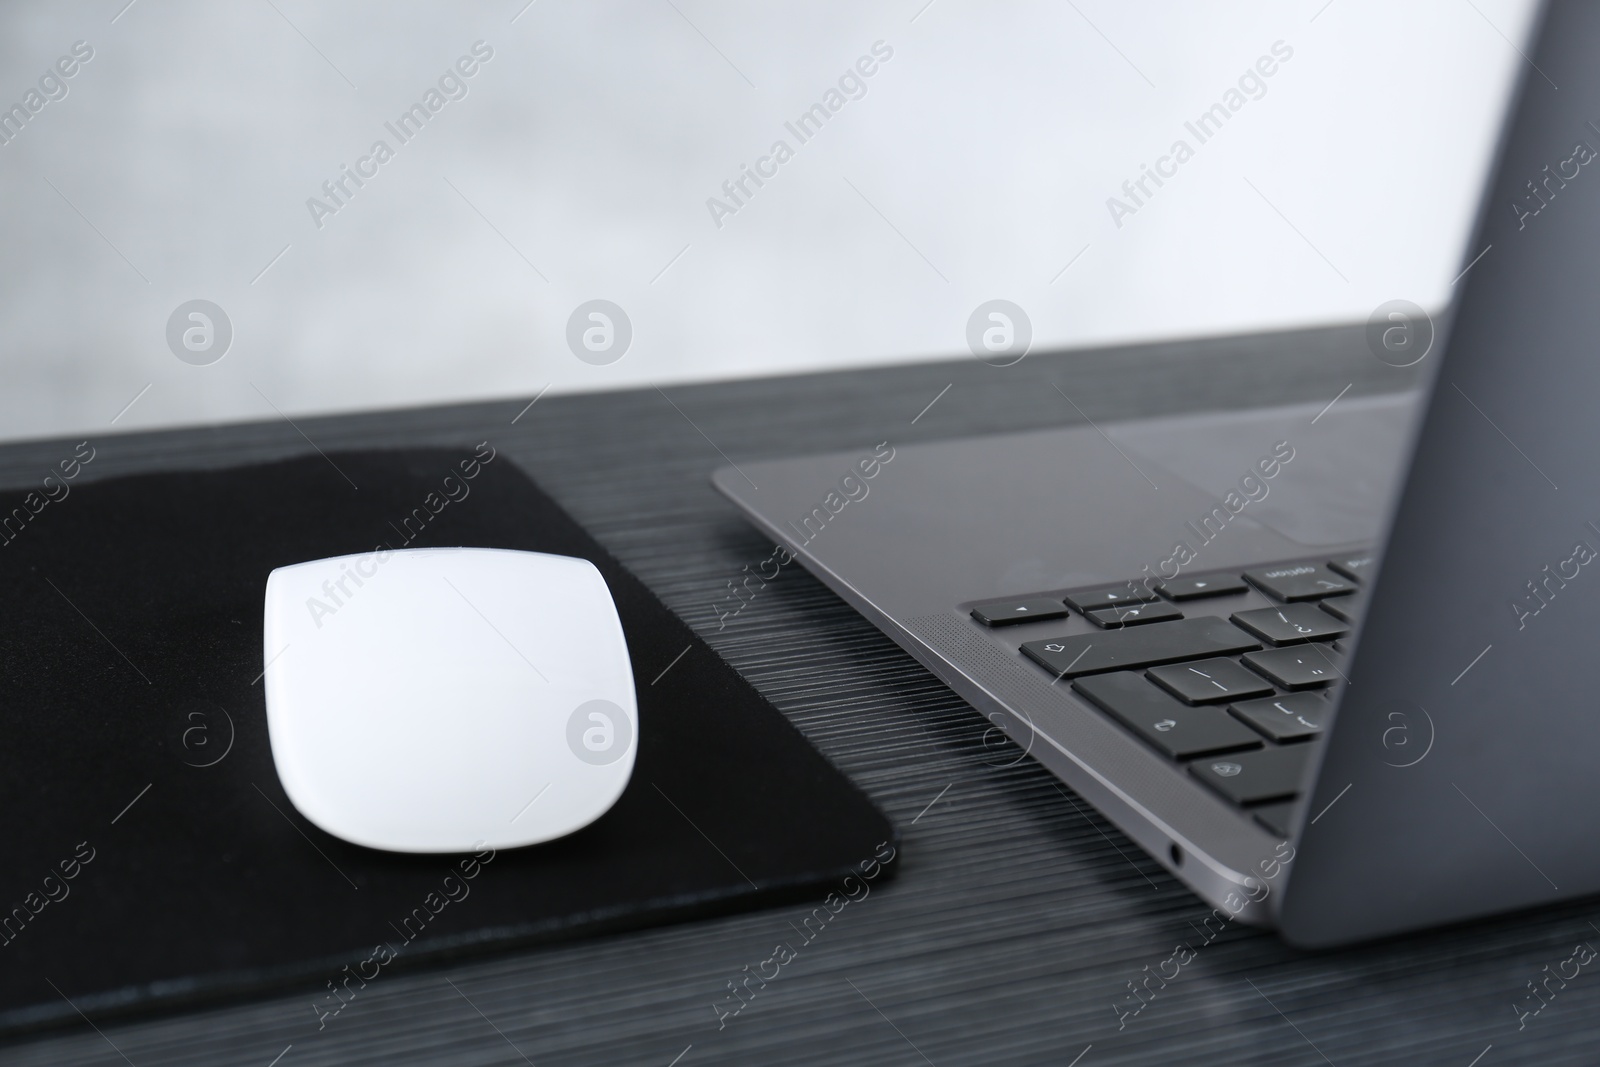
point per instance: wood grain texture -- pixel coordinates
(1018, 915)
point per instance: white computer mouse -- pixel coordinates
(448, 699)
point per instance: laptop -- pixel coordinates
(1332, 666)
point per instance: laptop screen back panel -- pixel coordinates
(1461, 778)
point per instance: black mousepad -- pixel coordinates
(151, 856)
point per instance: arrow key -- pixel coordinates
(1132, 615)
(1199, 587)
(1023, 609)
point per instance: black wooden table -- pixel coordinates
(1018, 916)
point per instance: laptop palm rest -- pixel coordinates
(1334, 491)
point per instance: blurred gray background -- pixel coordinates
(578, 164)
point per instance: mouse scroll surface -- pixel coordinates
(448, 699)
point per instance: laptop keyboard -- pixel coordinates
(1237, 699)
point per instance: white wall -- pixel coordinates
(594, 136)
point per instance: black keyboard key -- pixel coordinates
(1299, 581)
(1112, 596)
(1356, 568)
(1296, 667)
(1291, 623)
(1132, 615)
(1203, 586)
(1287, 718)
(1278, 818)
(1209, 681)
(1140, 646)
(1255, 777)
(1023, 609)
(1178, 731)
(1346, 608)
